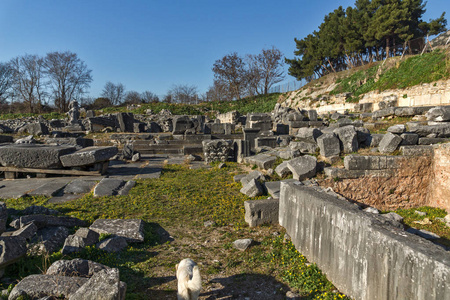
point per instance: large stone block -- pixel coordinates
(389, 143)
(88, 156)
(348, 138)
(11, 249)
(253, 188)
(33, 156)
(303, 167)
(259, 212)
(329, 145)
(262, 161)
(75, 267)
(440, 130)
(104, 285)
(126, 121)
(363, 255)
(217, 150)
(367, 162)
(304, 147)
(181, 124)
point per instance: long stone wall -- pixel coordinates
(364, 257)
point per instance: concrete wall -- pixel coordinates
(364, 258)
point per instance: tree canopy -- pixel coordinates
(370, 31)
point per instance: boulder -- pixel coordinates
(303, 167)
(348, 138)
(329, 145)
(88, 156)
(113, 244)
(242, 244)
(75, 267)
(131, 229)
(105, 285)
(389, 143)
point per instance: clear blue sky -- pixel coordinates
(151, 45)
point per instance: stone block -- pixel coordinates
(42, 221)
(126, 121)
(108, 187)
(49, 240)
(270, 141)
(282, 169)
(304, 147)
(438, 114)
(33, 156)
(389, 143)
(309, 134)
(104, 284)
(417, 150)
(252, 175)
(440, 130)
(409, 139)
(217, 150)
(113, 244)
(75, 267)
(348, 138)
(38, 128)
(259, 212)
(329, 145)
(131, 229)
(303, 167)
(241, 150)
(71, 141)
(397, 129)
(88, 156)
(432, 141)
(262, 161)
(253, 188)
(11, 249)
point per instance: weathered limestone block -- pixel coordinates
(88, 156)
(409, 139)
(397, 129)
(26, 232)
(252, 189)
(39, 286)
(181, 124)
(348, 137)
(49, 239)
(310, 134)
(367, 162)
(329, 145)
(42, 221)
(131, 229)
(83, 237)
(108, 187)
(113, 244)
(417, 150)
(105, 285)
(259, 212)
(283, 169)
(389, 143)
(252, 175)
(303, 167)
(126, 121)
(304, 147)
(71, 141)
(33, 156)
(438, 114)
(38, 128)
(262, 161)
(440, 130)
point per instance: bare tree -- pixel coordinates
(183, 93)
(265, 70)
(148, 97)
(28, 80)
(6, 80)
(217, 92)
(114, 92)
(133, 97)
(231, 71)
(69, 77)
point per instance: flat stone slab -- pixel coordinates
(130, 229)
(88, 156)
(79, 186)
(108, 187)
(303, 167)
(48, 189)
(33, 156)
(39, 286)
(273, 187)
(263, 161)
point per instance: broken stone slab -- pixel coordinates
(38, 286)
(348, 138)
(282, 169)
(259, 212)
(242, 244)
(131, 229)
(33, 156)
(397, 129)
(49, 220)
(253, 188)
(262, 161)
(108, 187)
(105, 285)
(26, 232)
(329, 145)
(48, 189)
(432, 141)
(303, 167)
(82, 238)
(49, 239)
(252, 175)
(113, 244)
(37, 128)
(88, 156)
(438, 114)
(288, 154)
(75, 267)
(304, 147)
(310, 134)
(11, 249)
(440, 130)
(127, 188)
(79, 186)
(389, 143)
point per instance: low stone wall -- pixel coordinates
(439, 190)
(364, 257)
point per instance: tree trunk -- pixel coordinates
(387, 48)
(331, 65)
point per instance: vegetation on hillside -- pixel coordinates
(370, 31)
(412, 71)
